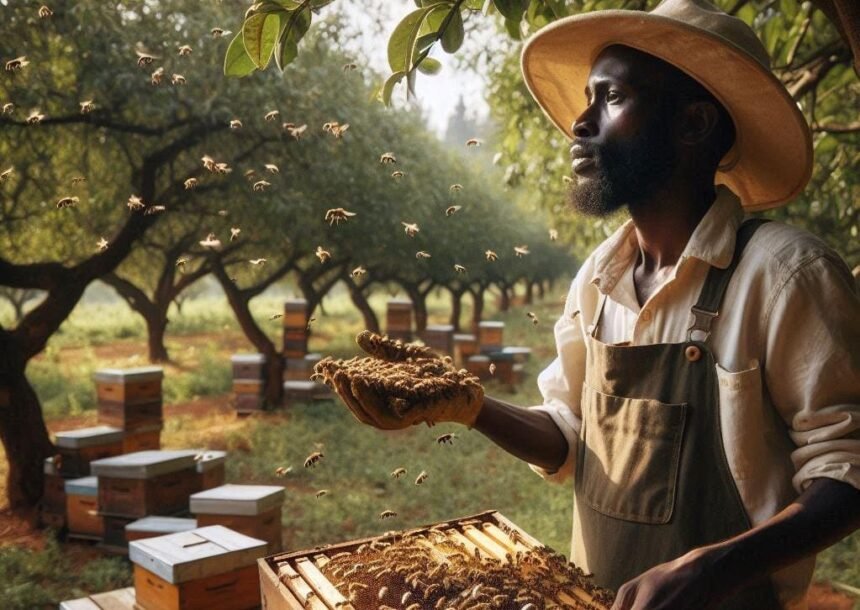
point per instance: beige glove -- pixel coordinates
(401, 385)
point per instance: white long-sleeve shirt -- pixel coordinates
(786, 343)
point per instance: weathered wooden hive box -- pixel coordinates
(465, 345)
(80, 447)
(155, 525)
(52, 507)
(398, 319)
(249, 372)
(206, 568)
(130, 398)
(120, 599)
(145, 483)
(82, 507)
(248, 366)
(479, 366)
(440, 337)
(298, 580)
(295, 328)
(301, 369)
(253, 510)
(491, 335)
(211, 469)
(147, 438)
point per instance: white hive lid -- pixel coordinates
(196, 554)
(464, 337)
(120, 599)
(140, 373)
(85, 486)
(491, 324)
(161, 525)
(88, 437)
(440, 328)
(143, 464)
(236, 500)
(297, 384)
(248, 358)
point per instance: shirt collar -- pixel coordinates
(713, 242)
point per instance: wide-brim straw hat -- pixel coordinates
(771, 161)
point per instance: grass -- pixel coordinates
(471, 476)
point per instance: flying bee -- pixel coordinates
(154, 209)
(257, 261)
(272, 115)
(459, 269)
(296, 131)
(235, 124)
(8, 108)
(45, 12)
(217, 32)
(184, 50)
(271, 168)
(157, 76)
(222, 168)
(102, 245)
(422, 476)
(383, 591)
(349, 67)
(87, 106)
(446, 439)
(282, 471)
(13, 65)
(410, 228)
(234, 233)
(397, 174)
(491, 256)
(452, 209)
(191, 183)
(177, 79)
(473, 142)
(35, 118)
(222, 212)
(321, 493)
(134, 203)
(422, 254)
(261, 185)
(492, 368)
(67, 202)
(387, 514)
(397, 473)
(250, 174)
(497, 158)
(455, 188)
(358, 271)
(208, 162)
(144, 59)
(211, 241)
(274, 316)
(521, 251)
(78, 179)
(313, 459)
(553, 235)
(533, 317)
(181, 262)
(4, 175)
(322, 254)
(338, 130)
(335, 215)
(387, 158)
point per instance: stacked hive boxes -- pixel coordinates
(130, 399)
(299, 364)
(52, 509)
(295, 328)
(439, 337)
(253, 510)
(494, 359)
(249, 372)
(210, 467)
(398, 319)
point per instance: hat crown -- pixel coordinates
(705, 16)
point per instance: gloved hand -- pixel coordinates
(402, 384)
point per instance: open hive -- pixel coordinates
(481, 562)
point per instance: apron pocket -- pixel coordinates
(630, 455)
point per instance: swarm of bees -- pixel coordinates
(335, 215)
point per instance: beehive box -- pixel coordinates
(248, 366)
(147, 438)
(150, 527)
(520, 354)
(52, 507)
(439, 337)
(145, 483)
(488, 541)
(130, 398)
(253, 510)
(211, 469)
(202, 569)
(398, 319)
(78, 448)
(82, 508)
(114, 538)
(300, 369)
(120, 599)
(304, 391)
(479, 366)
(248, 395)
(295, 328)
(465, 345)
(490, 336)
(507, 371)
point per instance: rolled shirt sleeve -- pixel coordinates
(812, 368)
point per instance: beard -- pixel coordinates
(624, 172)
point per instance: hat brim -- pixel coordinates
(771, 161)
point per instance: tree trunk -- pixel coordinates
(371, 322)
(529, 298)
(505, 302)
(419, 306)
(541, 290)
(156, 326)
(456, 309)
(477, 308)
(274, 381)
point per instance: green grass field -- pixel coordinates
(470, 476)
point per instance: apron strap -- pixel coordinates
(598, 313)
(708, 306)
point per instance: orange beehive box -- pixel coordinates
(490, 334)
(143, 439)
(465, 345)
(129, 386)
(82, 508)
(439, 337)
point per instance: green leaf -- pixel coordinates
(425, 42)
(388, 87)
(259, 34)
(452, 37)
(286, 52)
(318, 4)
(513, 29)
(236, 61)
(296, 26)
(401, 43)
(512, 9)
(430, 66)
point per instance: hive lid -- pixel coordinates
(501, 356)
(140, 373)
(209, 460)
(400, 302)
(458, 337)
(517, 350)
(88, 437)
(479, 358)
(85, 486)
(143, 464)
(439, 328)
(161, 525)
(303, 386)
(313, 356)
(248, 358)
(491, 324)
(196, 554)
(236, 500)
(120, 599)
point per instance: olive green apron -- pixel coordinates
(652, 478)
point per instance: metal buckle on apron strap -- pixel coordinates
(702, 320)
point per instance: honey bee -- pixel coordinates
(250, 174)
(383, 591)
(497, 158)
(404, 599)
(208, 162)
(217, 32)
(455, 188)
(87, 106)
(181, 262)
(154, 209)
(492, 369)
(422, 476)
(271, 168)
(261, 185)
(13, 65)
(222, 168)
(358, 271)
(190, 183)
(177, 79)
(349, 67)
(211, 241)
(398, 472)
(321, 493)
(553, 235)
(184, 50)
(446, 439)
(422, 254)
(222, 212)
(272, 115)
(156, 77)
(35, 118)
(234, 233)
(521, 251)
(102, 244)
(459, 269)
(387, 514)
(387, 158)
(410, 228)
(313, 459)
(8, 108)
(134, 203)
(452, 209)
(335, 215)
(296, 131)
(473, 142)
(45, 12)
(235, 124)
(322, 254)
(533, 317)
(275, 316)
(4, 175)
(67, 202)
(397, 174)
(257, 261)
(144, 59)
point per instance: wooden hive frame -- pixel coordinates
(295, 581)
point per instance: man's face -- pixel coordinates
(623, 148)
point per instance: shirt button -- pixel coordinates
(645, 316)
